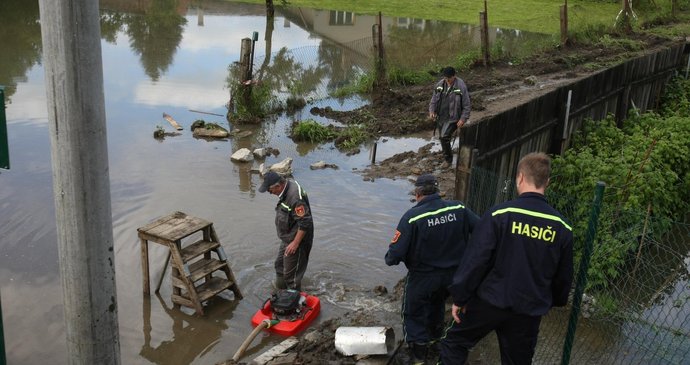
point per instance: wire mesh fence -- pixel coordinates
(639, 314)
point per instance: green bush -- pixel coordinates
(645, 164)
(311, 131)
(351, 137)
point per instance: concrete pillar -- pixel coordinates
(76, 110)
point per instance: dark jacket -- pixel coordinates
(293, 212)
(520, 258)
(432, 235)
(459, 105)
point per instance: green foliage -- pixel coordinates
(590, 33)
(159, 132)
(351, 137)
(251, 103)
(398, 76)
(607, 307)
(310, 130)
(362, 85)
(214, 126)
(609, 42)
(645, 164)
(676, 98)
(347, 139)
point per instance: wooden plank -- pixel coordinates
(145, 266)
(172, 122)
(173, 227)
(180, 230)
(178, 299)
(212, 287)
(203, 267)
(177, 260)
(161, 220)
(275, 351)
(197, 248)
(206, 290)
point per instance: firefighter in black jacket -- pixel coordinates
(295, 228)
(517, 266)
(430, 239)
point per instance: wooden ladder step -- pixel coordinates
(203, 267)
(204, 291)
(197, 248)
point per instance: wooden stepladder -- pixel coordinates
(193, 264)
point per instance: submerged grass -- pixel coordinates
(348, 138)
(310, 130)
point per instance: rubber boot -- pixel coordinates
(280, 283)
(418, 353)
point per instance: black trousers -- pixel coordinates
(517, 334)
(423, 306)
(446, 130)
(290, 269)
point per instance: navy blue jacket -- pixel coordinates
(432, 235)
(520, 258)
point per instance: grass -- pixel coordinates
(540, 16)
(310, 130)
(347, 139)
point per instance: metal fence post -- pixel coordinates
(581, 279)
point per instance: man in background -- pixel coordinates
(450, 108)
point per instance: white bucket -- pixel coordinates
(364, 340)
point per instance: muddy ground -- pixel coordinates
(398, 111)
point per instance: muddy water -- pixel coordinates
(354, 219)
(175, 67)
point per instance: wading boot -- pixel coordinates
(418, 353)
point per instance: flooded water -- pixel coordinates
(173, 67)
(173, 57)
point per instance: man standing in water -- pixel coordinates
(295, 229)
(450, 108)
(517, 266)
(430, 239)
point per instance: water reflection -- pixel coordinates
(20, 42)
(187, 343)
(165, 56)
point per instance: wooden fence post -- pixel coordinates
(245, 70)
(564, 24)
(463, 172)
(484, 29)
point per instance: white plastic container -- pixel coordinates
(364, 340)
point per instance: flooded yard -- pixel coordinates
(174, 58)
(354, 219)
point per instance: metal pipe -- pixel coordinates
(581, 280)
(364, 340)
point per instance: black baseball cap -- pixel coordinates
(448, 72)
(426, 179)
(271, 178)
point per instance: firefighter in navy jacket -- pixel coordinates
(517, 266)
(430, 239)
